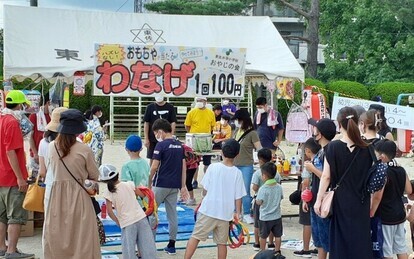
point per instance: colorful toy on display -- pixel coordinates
(79, 81)
(66, 97)
(34, 97)
(149, 202)
(238, 234)
(297, 128)
(314, 102)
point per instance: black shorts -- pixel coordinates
(274, 226)
(304, 217)
(206, 160)
(150, 149)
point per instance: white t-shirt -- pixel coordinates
(126, 205)
(224, 186)
(43, 151)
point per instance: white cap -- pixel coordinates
(200, 98)
(107, 172)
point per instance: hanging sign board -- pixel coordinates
(79, 82)
(399, 117)
(173, 71)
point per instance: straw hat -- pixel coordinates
(55, 118)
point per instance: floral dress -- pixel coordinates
(97, 139)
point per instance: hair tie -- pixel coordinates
(378, 119)
(350, 116)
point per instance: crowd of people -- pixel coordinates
(337, 156)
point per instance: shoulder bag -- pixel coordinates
(35, 195)
(327, 198)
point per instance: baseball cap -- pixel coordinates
(107, 172)
(133, 143)
(325, 126)
(16, 97)
(230, 148)
(200, 98)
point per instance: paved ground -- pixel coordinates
(116, 155)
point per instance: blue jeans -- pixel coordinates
(320, 230)
(247, 172)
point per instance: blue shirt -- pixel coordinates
(268, 134)
(170, 153)
(271, 195)
(230, 106)
(318, 163)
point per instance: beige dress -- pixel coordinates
(70, 226)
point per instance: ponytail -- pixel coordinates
(111, 184)
(348, 119)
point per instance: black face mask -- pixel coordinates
(314, 137)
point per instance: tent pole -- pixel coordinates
(111, 118)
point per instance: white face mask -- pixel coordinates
(226, 102)
(222, 122)
(158, 137)
(159, 99)
(199, 105)
(261, 110)
(237, 124)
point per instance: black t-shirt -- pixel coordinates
(383, 132)
(391, 207)
(154, 112)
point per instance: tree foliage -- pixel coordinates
(368, 41)
(197, 7)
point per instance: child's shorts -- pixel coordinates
(256, 214)
(206, 224)
(274, 226)
(304, 217)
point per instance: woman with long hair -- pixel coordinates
(249, 140)
(98, 134)
(71, 229)
(382, 127)
(349, 157)
(368, 126)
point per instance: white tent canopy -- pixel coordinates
(46, 41)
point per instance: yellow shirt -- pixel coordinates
(225, 131)
(200, 120)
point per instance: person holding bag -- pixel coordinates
(347, 162)
(71, 229)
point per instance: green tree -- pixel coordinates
(198, 7)
(368, 41)
(310, 10)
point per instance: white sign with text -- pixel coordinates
(399, 117)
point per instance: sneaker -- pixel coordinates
(170, 250)
(314, 252)
(195, 185)
(278, 255)
(248, 219)
(303, 253)
(18, 255)
(270, 246)
(191, 202)
(256, 247)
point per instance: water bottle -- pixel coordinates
(90, 187)
(293, 165)
(103, 210)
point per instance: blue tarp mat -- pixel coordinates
(185, 225)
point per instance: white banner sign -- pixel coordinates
(174, 71)
(399, 117)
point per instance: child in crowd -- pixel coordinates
(137, 169)
(269, 198)
(264, 155)
(324, 131)
(311, 149)
(223, 188)
(135, 229)
(222, 131)
(168, 176)
(389, 203)
(192, 161)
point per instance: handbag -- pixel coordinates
(327, 198)
(34, 199)
(95, 204)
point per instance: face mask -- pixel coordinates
(159, 138)
(237, 124)
(314, 136)
(100, 115)
(261, 110)
(199, 105)
(226, 102)
(222, 122)
(159, 99)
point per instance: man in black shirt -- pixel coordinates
(160, 109)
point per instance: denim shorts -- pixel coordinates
(320, 230)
